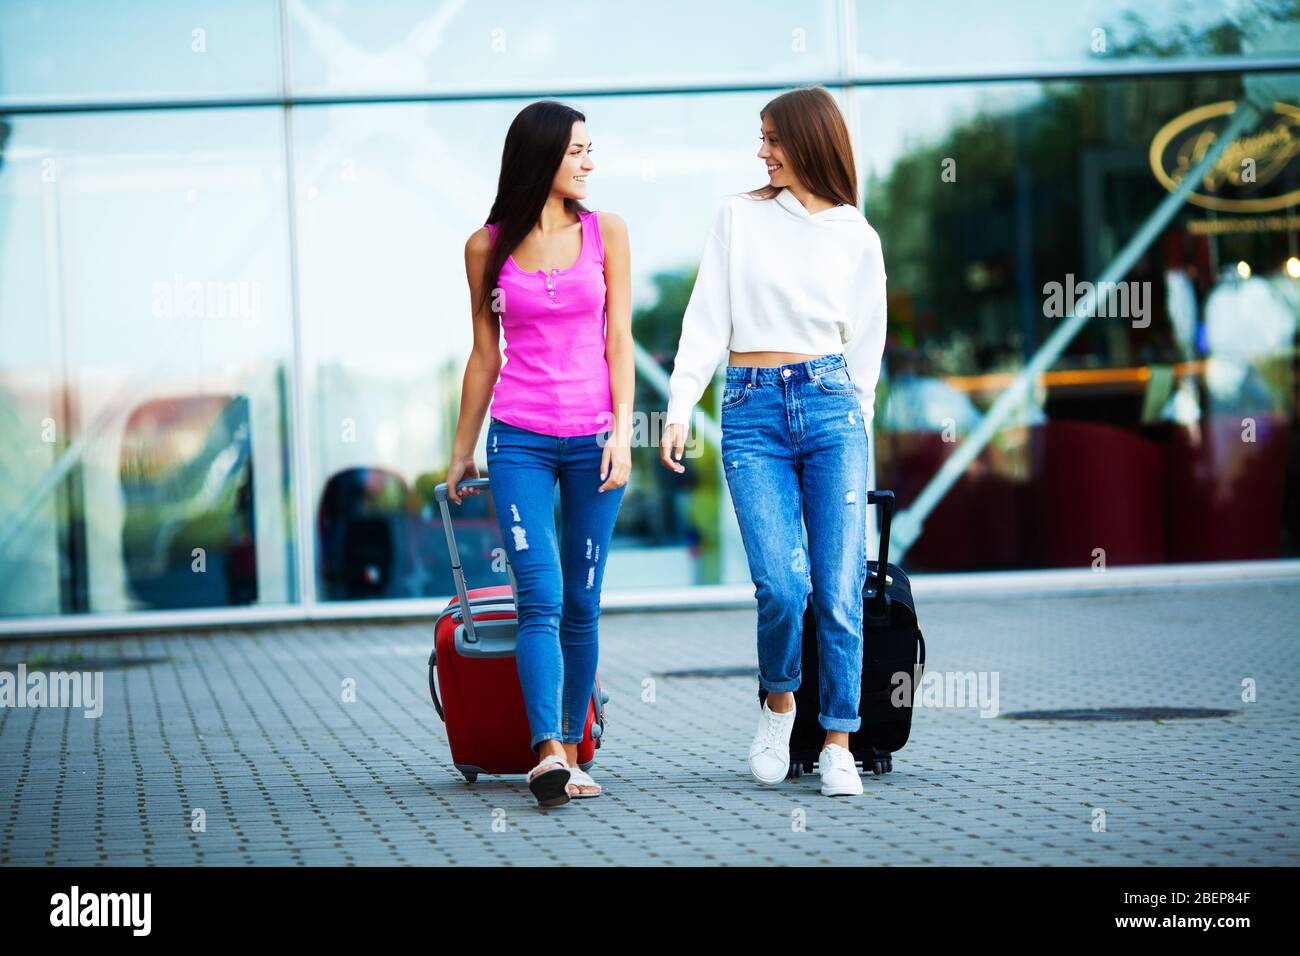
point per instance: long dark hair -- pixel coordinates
(816, 144)
(535, 146)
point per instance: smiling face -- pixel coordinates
(571, 178)
(779, 174)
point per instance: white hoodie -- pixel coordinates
(777, 278)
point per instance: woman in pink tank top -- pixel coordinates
(555, 279)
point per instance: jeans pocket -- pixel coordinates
(836, 381)
(734, 394)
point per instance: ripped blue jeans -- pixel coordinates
(794, 447)
(558, 577)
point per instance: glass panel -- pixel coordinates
(85, 50)
(145, 333)
(1162, 433)
(387, 197)
(348, 46)
(145, 343)
(1009, 36)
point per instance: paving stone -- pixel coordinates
(248, 725)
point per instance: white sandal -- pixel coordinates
(550, 786)
(579, 777)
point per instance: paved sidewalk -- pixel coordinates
(248, 725)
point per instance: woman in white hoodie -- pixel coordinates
(791, 291)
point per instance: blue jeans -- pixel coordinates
(794, 447)
(559, 580)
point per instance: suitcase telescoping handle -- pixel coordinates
(885, 501)
(457, 572)
(462, 595)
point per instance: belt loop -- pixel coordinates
(753, 375)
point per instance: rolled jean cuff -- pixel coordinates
(540, 737)
(575, 740)
(847, 724)
(779, 686)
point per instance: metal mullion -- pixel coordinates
(299, 430)
(1125, 71)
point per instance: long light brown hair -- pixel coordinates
(815, 142)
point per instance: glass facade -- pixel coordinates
(234, 316)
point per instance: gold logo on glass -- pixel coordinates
(1247, 168)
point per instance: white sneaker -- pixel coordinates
(839, 772)
(769, 754)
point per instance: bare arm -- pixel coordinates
(618, 319)
(616, 464)
(481, 370)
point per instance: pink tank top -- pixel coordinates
(555, 379)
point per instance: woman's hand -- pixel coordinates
(460, 470)
(615, 465)
(670, 447)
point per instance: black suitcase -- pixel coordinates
(892, 645)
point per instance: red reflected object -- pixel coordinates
(1097, 486)
(1226, 493)
(948, 541)
(976, 526)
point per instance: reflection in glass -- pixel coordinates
(387, 197)
(144, 343)
(59, 51)
(1016, 36)
(350, 46)
(147, 349)
(1161, 434)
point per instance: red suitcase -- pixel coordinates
(473, 677)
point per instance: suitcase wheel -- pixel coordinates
(882, 765)
(795, 771)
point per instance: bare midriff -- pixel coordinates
(770, 359)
